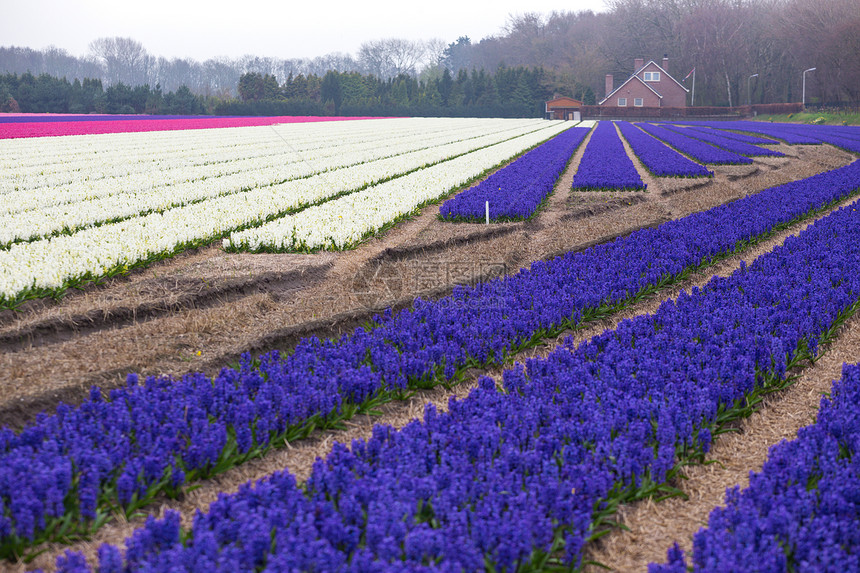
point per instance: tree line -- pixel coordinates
(728, 42)
(741, 50)
(125, 60)
(509, 92)
(48, 94)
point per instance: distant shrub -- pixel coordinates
(10, 106)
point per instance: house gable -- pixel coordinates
(674, 94)
(665, 78)
(651, 85)
(634, 87)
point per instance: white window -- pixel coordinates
(637, 101)
(652, 76)
(622, 102)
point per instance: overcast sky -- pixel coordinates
(278, 28)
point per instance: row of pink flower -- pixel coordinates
(52, 128)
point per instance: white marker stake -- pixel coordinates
(487, 205)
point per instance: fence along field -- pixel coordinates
(422, 546)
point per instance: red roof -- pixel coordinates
(563, 102)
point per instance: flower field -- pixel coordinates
(732, 144)
(692, 147)
(345, 221)
(605, 164)
(659, 158)
(103, 226)
(516, 191)
(528, 470)
(800, 511)
(32, 125)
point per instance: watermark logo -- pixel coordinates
(378, 286)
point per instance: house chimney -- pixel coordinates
(609, 82)
(637, 64)
(666, 62)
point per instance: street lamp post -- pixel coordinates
(803, 96)
(749, 99)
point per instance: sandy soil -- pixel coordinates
(199, 311)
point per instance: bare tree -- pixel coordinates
(222, 77)
(125, 60)
(725, 40)
(407, 55)
(373, 56)
(714, 37)
(390, 57)
(823, 35)
(335, 61)
(434, 51)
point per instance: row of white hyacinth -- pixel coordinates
(176, 161)
(39, 266)
(283, 162)
(203, 154)
(82, 153)
(347, 220)
(167, 145)
(332, 178)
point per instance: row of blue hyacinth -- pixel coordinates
(697, 149)
(722, 132)
(659, 158)
(800, 512)
(516, 191)
(79, 465)
(726, 141)
(605, 164)
(782, 131)
(514, 477)
(846, 137)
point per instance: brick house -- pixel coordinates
(563, 108)
(649, 86)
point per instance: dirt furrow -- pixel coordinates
(654, 527)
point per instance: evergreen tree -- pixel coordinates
(24, 93)
(331, 90)
(489, 97)
(183, 102)
(271, 89)
(154, 101)
(251, 86)
(446, 86)
(457, 56)
(506, 83)
(430, 95)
